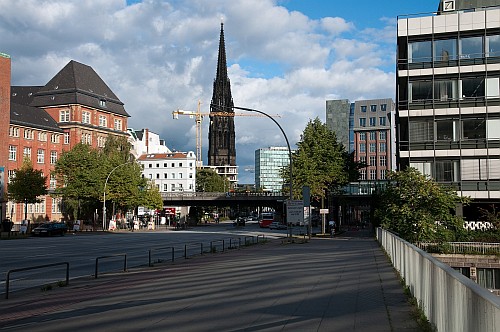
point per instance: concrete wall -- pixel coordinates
(451, 301)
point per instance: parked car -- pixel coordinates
(49, 229)
(277, 225)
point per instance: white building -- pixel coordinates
(171, 172)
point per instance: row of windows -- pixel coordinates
(172, 176)
(450, 129)
(174, 187)
(40, 156)
(382, 135)
(382, 121)
(165, 165)
(372, 175)
(460, 170)
(373, 161)
(65, 116)
(382, 147)
(373, 108)
(451, 89)
(29, 134)
(449, 49)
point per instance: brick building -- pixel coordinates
(43, 121)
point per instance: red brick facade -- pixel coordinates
(5, 72)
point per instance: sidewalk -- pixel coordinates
(340, 284)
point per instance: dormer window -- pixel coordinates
(102, 102)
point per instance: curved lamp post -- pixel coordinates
(104, 199)
(282, 131)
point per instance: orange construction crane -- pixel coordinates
(198, 117)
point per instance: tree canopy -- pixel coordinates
(419, 209)
(27, 185)
(82, 173)
(320, 162)
(208, 180)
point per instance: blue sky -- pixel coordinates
(284, 57)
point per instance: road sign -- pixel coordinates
(323, 211)
(295, 212)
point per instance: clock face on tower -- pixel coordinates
(448, 5)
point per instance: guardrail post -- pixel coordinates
(173, 256)
(223, 245)
(201, 248)
(185, 251)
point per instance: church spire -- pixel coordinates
(221, 149)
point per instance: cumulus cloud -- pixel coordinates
(158, 56)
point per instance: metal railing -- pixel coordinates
(473, 248)
(110, 256)
(233, 243)
(7, 280)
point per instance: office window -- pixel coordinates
(173, 165)
(190, 175)
(492, 45)
(420, 91)
(150, 165)
(40, 156)
(373, 174)
(27, 152)
(381, 120)
(157, 175)
(42, 136)
(383, 174)
(382, 135)
(165, 175)
(445, 90)
(14, 131)
(362, 136)
(383, 107)
(165, 165)
(28, 134)
(165, 187)
(373, 135)
(12, 152)
(53, 182)
(363, 108)
(362, 160)
(11, 173)
(85, 117)
(474, 129)
(488, 278)
(180, 175)
(103, 121)
(373, 160)
(373, 147)
(118, 124)
(382, 147)
(473, 87)
(173, 175)
(362, 174)
(471, 47)
(373, 121)
(373, 108)
(53, 157)
(419, 52)
(157, 165)
(54, 138)
(445, 49)
(66, 138)
(64, 116)
(362, 147)
(421, 131)
(362, 122)
(383, 161)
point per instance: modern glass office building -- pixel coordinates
(448, 98)
(268, 164)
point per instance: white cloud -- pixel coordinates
(159, 56)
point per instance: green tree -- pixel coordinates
(208, 180)
(27, 185)
(419, 209)
(80, 178)
(320, 162)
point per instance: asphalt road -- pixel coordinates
(81, 250)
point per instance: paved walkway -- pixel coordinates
(340, 284)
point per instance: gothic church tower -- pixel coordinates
(221, 149)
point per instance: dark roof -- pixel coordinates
(77, 83)
(29, 116)
(23, 95)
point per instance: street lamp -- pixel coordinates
(104, 199)
(282, 131)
